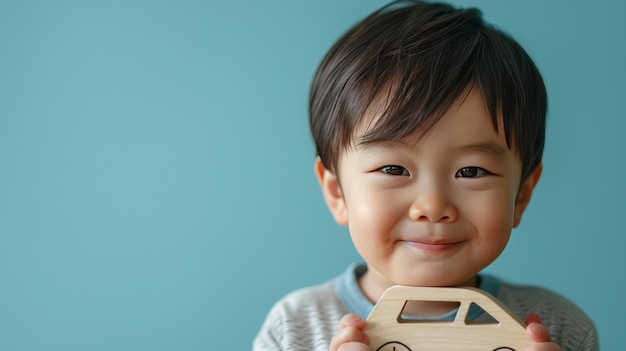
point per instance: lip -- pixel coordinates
(434, 247)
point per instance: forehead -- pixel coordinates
(466, 119)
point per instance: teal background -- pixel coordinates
(156, 184)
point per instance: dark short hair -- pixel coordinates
(422, 57)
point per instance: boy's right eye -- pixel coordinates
(395, 170)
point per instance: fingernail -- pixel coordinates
(356, 319)
(535, 327)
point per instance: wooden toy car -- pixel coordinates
(389, 330)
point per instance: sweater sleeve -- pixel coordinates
(568, 325)
(304, 320)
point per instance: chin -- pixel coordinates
(436, 281)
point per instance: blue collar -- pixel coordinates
(355, 301)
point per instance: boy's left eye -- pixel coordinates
(471, 172)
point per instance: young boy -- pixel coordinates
(429, 127)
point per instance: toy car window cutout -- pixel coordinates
(478, 316)
(449, 317)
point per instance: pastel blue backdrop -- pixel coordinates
(156, 184)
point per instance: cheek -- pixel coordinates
(365, 214)
(494, 218)
(372, 216)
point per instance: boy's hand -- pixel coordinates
(539, 334)
(350, 336)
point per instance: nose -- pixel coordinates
(433, 206)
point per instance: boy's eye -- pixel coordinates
(395, 170)
(471, 172)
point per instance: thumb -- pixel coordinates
(535, 330)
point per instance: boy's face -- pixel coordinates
(433, 210)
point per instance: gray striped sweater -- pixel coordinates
(306, 319)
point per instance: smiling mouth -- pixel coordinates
(434, 247)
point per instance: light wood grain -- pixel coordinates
(389, 331)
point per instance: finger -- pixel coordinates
(538, 332)
(535, 330)
(351, 320)
(533, 318)
(347, 335)
(353, 346)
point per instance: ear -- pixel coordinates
(331, 189)
(524, 194)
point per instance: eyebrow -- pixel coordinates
(363, 145)
(487, 147)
